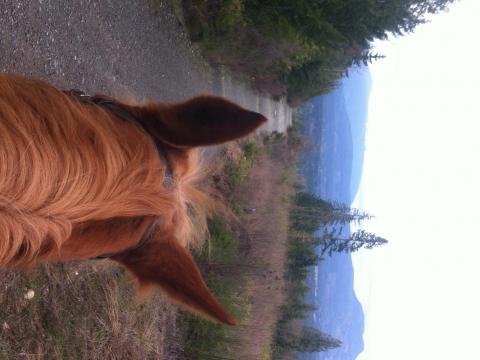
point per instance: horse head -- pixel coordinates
(78, 181)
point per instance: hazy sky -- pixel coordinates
(421, 292)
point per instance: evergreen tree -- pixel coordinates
(358, 240)
(305, 46)
(366, 58)
(309, 340)
(313, 340)
(311, 212)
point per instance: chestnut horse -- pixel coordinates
(80, 180)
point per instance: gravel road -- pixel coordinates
(121, 47)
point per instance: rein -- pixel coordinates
(125, 115)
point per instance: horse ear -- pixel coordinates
(168, 267)
(201, 121)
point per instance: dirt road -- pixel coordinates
(122, 47)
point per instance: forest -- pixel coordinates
(317, 229)
(299, 49)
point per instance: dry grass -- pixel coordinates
(266, 190)
(81, 311)
(261, 201)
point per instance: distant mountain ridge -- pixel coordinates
(332, 168)
(356, 90)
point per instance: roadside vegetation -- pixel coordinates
(317, 229)
(260, 251)
(244, 260)
(298, 48)
(80, 310)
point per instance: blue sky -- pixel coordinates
(421, 292)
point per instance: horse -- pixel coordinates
(94, 177)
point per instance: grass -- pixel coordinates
(79, 311)
(223, 243)
(267, 352)
(222, 246)
(244, 264)
(238, 167)
(206, 340)
(236, 206)
(203, 339)
(251, 150)
(237, 170)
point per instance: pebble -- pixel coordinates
(29, 295)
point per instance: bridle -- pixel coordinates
(125, 115)
(145, 237)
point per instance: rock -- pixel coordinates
(29, 295)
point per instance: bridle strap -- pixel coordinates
(145, 237)
(126, 115)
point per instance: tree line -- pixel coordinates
(317, 229)
(299, 48)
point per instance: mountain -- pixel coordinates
(339, 312)
(356, 90)
(335, 125)
(329, 159)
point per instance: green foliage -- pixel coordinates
(299, 48)
(236, 207)
(251, 150)
(296, 310)
(308, 200)
(205, 340)
(223, 245)
(267, 352)
(313, 340)
(309, 214)
(302, 255)
(238, 169)
(310, 340)
(333, 242)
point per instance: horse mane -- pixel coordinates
(64, 163)
(78, 181)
